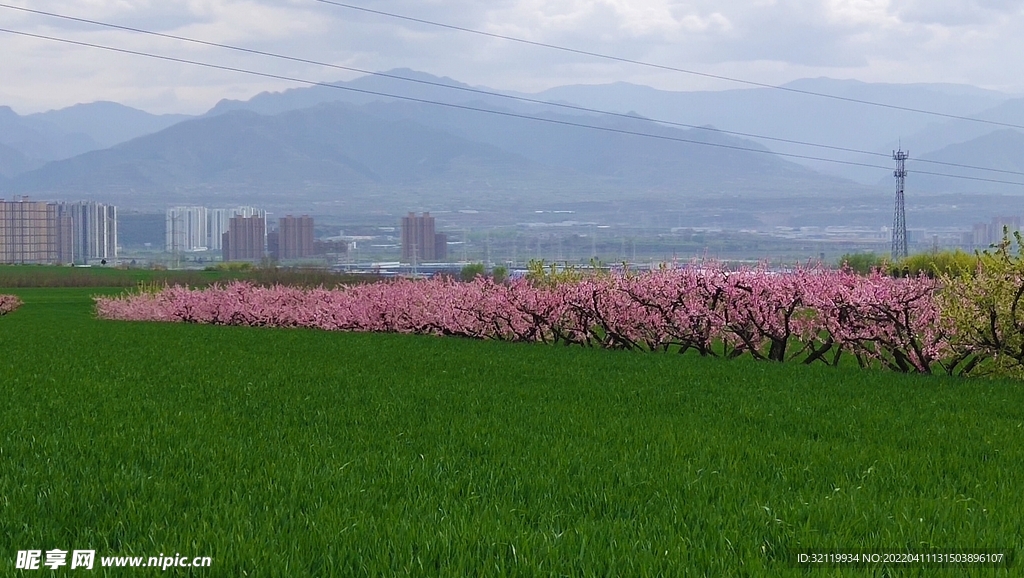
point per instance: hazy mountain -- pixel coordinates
(788, 115)
(778, 113)
(783, 114)
(613, 149)
(107, 123)
(1001, 149)
(39, 140)
(362, 90)
(60, 134)
(341, 151)
(324, 148)
(942, 134)
(801, 117)
(13, 162)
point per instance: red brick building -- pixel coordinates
(245, 239)
(295, 237)
(420, 243)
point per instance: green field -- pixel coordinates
(303, 453)
(101, 277)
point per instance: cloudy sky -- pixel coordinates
(975, 42)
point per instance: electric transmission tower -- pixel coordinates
(899, 219)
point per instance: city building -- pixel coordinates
(35, 232)
(273, 245)
(440, 246)
(245, 239)
(419, 241)
(217, 224)
(295, 237)
(94, 231)
(249, 212)
(45, 232)
(985, 234)
(187, 229)
(218, 221)
(193, 228)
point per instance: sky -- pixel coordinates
(975, 42)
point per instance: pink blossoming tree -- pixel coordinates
(9, 303)
(812, 314)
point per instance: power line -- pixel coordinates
(485, 92)
(470, 108)
(662, 66)
(963, 166)
(967, 178)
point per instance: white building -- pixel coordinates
(186, 229)
(94, 231)
(220, 220)
(218, 225)
(194, 228)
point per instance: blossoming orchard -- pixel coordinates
(809, 315)
(9, 303)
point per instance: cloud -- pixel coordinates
(970, 41)
(957, 13)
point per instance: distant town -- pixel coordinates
(89, 233)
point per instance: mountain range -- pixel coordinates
(30, 141)
(357, 143)
(393, 150)
(1002, 150)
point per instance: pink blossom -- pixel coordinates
(9, 303)
(810, 313)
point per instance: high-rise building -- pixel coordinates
(35, 232)
(245, 239)
(218, 221)
(295, 237)
(418, 240)
(186, 229)
(440, 246)
(249, 212)
(42, 232)
(1011, 224)
(273, 245)
(94, 229)
(985, 234)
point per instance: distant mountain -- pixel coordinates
(328, 147)
(800, 117)
(362, 90)
(340, 151)
(1001, 149)
(782, 114)
(614, 150)
(60, 134)
(107, 123)
(322, 141)
(13, 162)
(788, 114)
(40, 141)
(939, 135)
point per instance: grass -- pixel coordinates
(303, 453)
(101, 277)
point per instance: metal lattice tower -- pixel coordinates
(899, 219)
